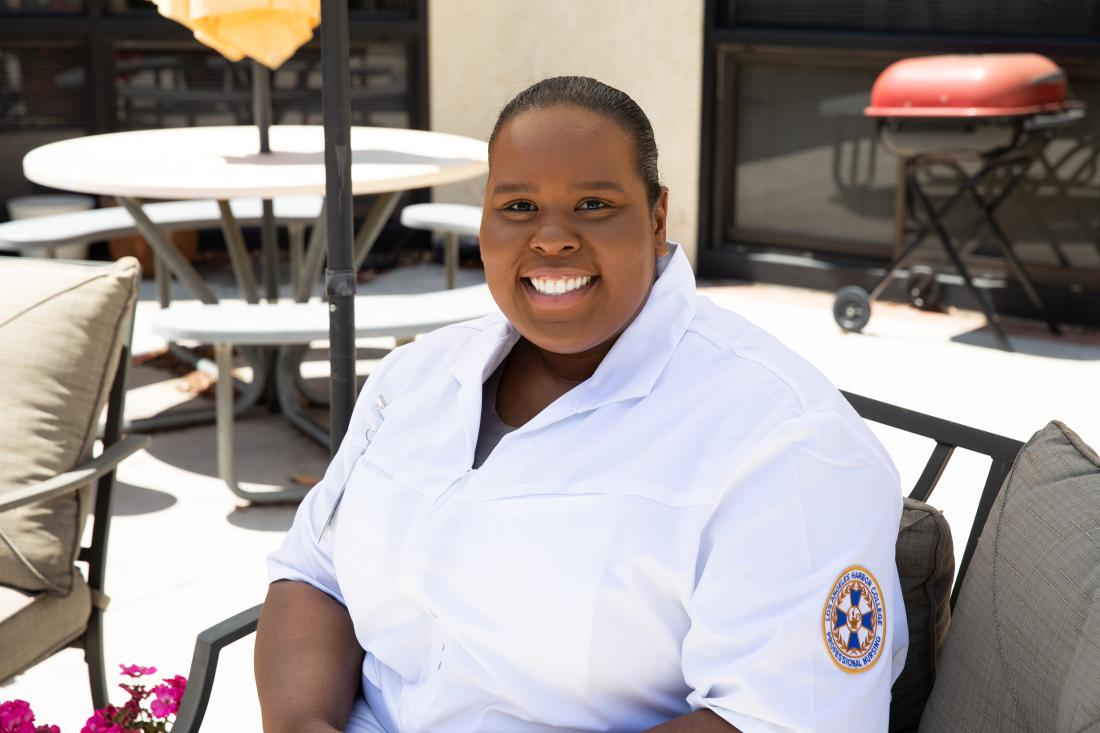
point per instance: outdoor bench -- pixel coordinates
(44, 233)
(291, 327)
(1024, 612)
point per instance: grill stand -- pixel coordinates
(852, 307)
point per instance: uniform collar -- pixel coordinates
(631, 367)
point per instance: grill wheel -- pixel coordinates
(852, 308)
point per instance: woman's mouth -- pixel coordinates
(559, 286)
(551, 291)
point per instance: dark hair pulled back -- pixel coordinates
(587, 93)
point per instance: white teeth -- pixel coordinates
(559, 286)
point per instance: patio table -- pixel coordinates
(225, 163)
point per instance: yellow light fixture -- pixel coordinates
(268, 31)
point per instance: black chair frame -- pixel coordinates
(101, 469)
(947, 436)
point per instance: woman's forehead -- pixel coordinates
(562, 141)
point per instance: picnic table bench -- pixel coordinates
(291, 327)
(43, 234)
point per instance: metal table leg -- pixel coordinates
(287, 374)
(314, 259)
(269, 242)
(177, 264)
(296, 237)
(163, 281)
(450, 259)
(238, 253)
(227, 468)
(379, 213)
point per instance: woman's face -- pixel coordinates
(568, 238)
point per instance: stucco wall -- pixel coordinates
(481, 52)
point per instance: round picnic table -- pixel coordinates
(223, 163)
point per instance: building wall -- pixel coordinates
(481, 52)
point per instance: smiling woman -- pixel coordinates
(614, 506)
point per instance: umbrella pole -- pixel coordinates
(261, 112)
(340, 273)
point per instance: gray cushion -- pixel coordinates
(926, 566)
(1023, 653)
(34, 626)
(61, 326)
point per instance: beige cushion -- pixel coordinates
(61, 326)
(926, 566)
(34, 626)
(1023, 653)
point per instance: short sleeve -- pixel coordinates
(804, 529)
(305, 554)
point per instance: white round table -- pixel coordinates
(224, 163)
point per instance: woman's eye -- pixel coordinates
(591, 205)
(522, 206)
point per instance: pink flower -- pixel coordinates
(16, 716)
(168, 698)
(103, 721)
(136, 670)
(47, 729)
(179, 682)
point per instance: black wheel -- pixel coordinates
(924, 288)
(852, 308)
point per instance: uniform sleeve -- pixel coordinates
(795, 560)
(306, 552)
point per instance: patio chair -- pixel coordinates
(1034, 547)
(64, 350)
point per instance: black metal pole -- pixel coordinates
(262, 113)
(340, 273)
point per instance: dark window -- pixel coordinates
(1065, 18)
(184, 84)
(807, 162)
(41, 7)
(41, 86)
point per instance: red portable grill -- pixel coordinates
(998, 109)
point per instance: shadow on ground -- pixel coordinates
(267, 449)
(263, 518)
(1034, 342)
(129, 500)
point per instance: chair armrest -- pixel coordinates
(204, 665)
(85, 473)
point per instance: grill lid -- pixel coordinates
(979, 85)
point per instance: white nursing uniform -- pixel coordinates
(703, 523)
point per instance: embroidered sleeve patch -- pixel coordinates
(854, 620)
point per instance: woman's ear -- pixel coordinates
(660, 220)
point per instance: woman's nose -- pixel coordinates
(554, 240)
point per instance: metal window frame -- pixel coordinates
(97, 32)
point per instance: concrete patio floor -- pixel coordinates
(185, 553)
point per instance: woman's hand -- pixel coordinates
(308, 661)
(701, 721)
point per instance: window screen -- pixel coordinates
(806, 159)
(173, 85)
(41, 86)
(1056, 18)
